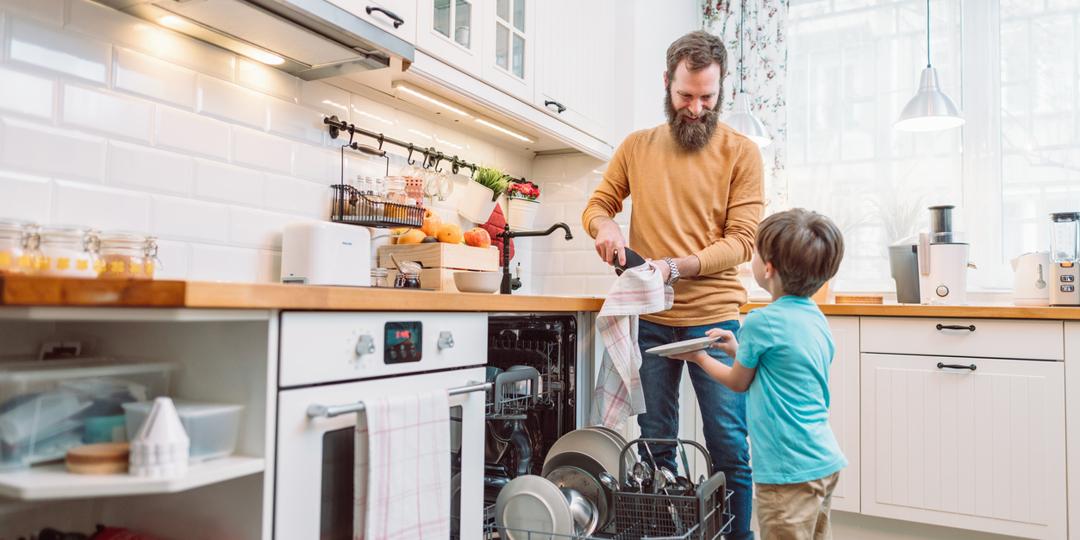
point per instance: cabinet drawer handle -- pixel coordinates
(398, 21)
(970, 327)
(942, 365)
(559, 109)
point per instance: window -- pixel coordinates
(1012, 65)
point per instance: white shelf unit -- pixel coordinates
(50, 482)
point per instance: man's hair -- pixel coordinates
(700, 49)
(804, 247)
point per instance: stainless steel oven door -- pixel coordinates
(314, 491)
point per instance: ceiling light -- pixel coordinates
(263, 56)
(439, 103)
(503, 130)
(198, 31)
(930, 109)
(741, 118)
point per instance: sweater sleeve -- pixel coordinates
(608, 198)
(744, 208)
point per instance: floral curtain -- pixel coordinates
(762, 74)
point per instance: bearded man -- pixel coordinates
(697, 199)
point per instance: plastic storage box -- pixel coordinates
(212, 427)
(45, 406)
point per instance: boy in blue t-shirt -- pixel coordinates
(782, 360)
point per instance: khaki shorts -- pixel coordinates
(796, 511)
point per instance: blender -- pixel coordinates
(1064, 235)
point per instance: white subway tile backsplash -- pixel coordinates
(599, 285)
(25, 198)
(26, 94)
(261, 150)
(65, 153)
(172, 260)
(221, 263)
(267, 80)
(549, 263)
(269, 267)
(316, 163)
(108, 24)
(46, 11)
(325, 98)
(258, 228)
(295, 121)
(99, 207)
(186, 219)
(52, 49)
(227, 101)
(110, 113)
(221, 182)
(148, 76)
(298, 197)
(140, 167)
(181, 130)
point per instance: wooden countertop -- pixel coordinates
(954, 312)
(43, 291)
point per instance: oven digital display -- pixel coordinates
(404, 342)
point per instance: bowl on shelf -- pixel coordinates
(477, 282)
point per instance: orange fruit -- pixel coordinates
(450, 233)
(431, 225)
(413, 236)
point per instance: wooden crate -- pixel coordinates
(439, 279)
(443, 256)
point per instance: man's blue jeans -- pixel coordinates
(723, 414)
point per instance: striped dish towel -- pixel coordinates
(618, 394)
(402, 476)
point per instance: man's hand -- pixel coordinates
(609, 241)
(727, 343)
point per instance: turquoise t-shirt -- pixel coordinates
(787, 405)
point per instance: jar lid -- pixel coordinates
(64, 230)
(14, 226)
(123, 237)
(379, 272)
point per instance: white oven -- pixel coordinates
(331, 363)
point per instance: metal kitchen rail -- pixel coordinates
(432, 157)
(330, 411)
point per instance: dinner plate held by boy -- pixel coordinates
(686, 346)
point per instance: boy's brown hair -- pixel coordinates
(804, 247)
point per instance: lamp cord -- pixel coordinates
(927, 33)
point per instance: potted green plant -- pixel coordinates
(481, 195)
(523, 204)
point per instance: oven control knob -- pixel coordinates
(365, 344)
(446, 340)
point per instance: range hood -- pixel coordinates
(311, 39)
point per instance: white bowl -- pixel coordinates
(479, 282)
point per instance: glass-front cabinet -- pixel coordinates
(509, 48)
(449, 32)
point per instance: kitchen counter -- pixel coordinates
(44, 291)
(960, 312)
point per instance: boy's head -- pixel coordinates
(803, 249)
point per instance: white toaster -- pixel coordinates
(324, 253)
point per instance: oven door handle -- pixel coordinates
(330, 411)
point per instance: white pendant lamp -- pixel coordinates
(930, 109)
(741, 118)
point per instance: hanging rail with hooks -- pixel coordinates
(432, 158)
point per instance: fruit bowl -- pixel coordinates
(477, 282)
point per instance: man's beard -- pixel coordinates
(691, 135)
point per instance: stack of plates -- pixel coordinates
(577, 459)
(533, 504)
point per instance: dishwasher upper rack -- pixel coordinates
(516, 391)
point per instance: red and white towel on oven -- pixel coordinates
(402, 475)
(618, 394)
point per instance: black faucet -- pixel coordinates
(508, 284)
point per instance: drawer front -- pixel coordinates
(981, 338)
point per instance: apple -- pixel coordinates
(478, 237)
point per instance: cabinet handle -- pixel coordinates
(942, 365)
(398, 21)
(970, 327)
(559, 109)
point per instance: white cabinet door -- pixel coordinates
(395, 16)
(980, 449)
(844, 408)
(509, 51)
(1072, 416)
(575, 63)
(450, 31)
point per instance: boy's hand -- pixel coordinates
(727, 342)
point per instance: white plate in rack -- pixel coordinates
(533, 504)
(686, 346)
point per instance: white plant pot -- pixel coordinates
(522, 214)
(476, 202)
